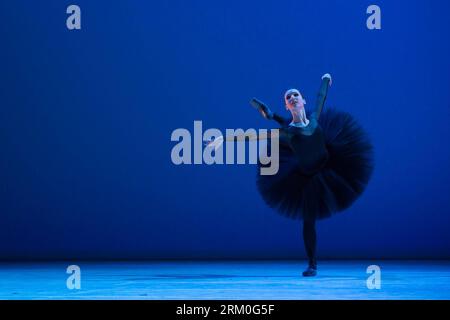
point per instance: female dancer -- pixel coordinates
(325, 163)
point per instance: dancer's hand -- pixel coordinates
(214, 143)
(327, 75)
(262, 108)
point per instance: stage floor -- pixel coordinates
(226, 280)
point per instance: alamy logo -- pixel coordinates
(74, 280)
(73, 21)
(208, 147)
(374, 20)
(374, 280)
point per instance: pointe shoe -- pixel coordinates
(262, 108)
(310, 272)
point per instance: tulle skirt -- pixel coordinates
(332, 189)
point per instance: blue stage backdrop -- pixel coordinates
(86, 118)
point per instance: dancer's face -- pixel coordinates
(293, 99)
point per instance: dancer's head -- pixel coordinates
(294, 99)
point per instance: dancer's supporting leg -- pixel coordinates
(310, 240)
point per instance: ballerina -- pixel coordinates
(325, 163)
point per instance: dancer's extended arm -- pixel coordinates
(217, 142)
(267, 113)
(322, 95)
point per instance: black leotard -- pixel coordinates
(307, 143)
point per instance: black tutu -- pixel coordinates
(335, 186)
